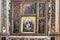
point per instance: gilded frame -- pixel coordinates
(38, 27)
(42, 18)
(13, 18)
(29, 15)
(33, 21)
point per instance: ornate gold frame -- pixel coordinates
(26, 17)
(38, 27)
(43, 17)
(29, 15)
(12, 19)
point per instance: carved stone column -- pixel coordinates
(57, 17)
(8, 8)
(4, 11)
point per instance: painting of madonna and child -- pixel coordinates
(28, 24)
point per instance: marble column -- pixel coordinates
(8, 8)
(57, 16)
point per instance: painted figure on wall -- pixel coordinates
(28, 8)
(16, 27)
(28, 26)
(41, 27)
(41, 9)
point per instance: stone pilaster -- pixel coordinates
(57, 17)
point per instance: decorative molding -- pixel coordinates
(8, 8)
